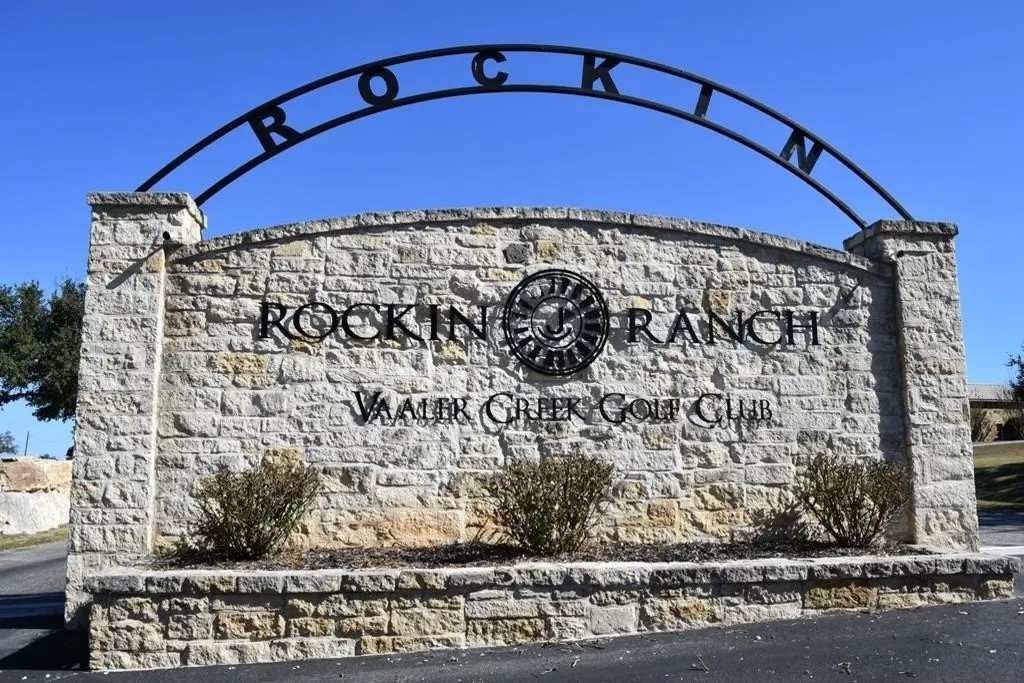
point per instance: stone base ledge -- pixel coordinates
(144, 619)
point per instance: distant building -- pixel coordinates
(992, 406)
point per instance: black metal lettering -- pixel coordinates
(495, 81)
(638, 320)
(455, 317)
(804, 160)
(265, 131)
(394, 322)
(459, 408)
(735, 333)
(266, 322)
(698, 408)
(792, 326)
(377, 405)
(703, 100)
(347, 328)
(297, 320)
(683, 322)
(490, 413)
(752, 331)
(434, 321)
(366, 86)
(604, 413)
(594, 72)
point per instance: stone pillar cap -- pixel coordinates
(142, 199)
(891, 226)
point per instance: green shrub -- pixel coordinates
(854, 502)
(548, 506)
(247, 515)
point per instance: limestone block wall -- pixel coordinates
(200, 618)
(199, 354)
(229, 398)
(34, 495)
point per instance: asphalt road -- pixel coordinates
(31, 594)
(1001, 527)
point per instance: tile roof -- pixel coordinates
(989, 392)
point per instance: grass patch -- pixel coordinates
(25, 540)
(999, 474)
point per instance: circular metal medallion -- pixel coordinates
(556, 322)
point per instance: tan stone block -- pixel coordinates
(138, 609)
(674, 613)
(284, 455)
(993, 589)
(310, 626)
(126, 636)
(502, 274)
(292, 249)
(371, 645)
(190, 627)
(747, 614)
(901, 600)
(184, 323)
(663, 512)
(341, 606)
(300, 607)
(121, 661)
(426, 622)
(248, 626)
(238, 363)
(449, 350)
(362, 626)
(845, 595)
(568, 628)
(421, 527)
(503, 631)
(548, 250)
(304, 346)
(208, 654)
(298, 649)
(718, 300)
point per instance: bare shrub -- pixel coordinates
(854, 502)
(981, 425)
(548, 506)
(247, 515)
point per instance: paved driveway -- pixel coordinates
(31, 595)
(1001, 528)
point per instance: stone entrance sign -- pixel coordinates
(407, 354)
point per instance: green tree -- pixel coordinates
(39, 344)
(7, 443)
(1017, 383)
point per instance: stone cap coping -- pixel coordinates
(394, 219)
(141, 199)
(591, 574)
(897, 227)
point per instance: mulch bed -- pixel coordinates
(474, 554)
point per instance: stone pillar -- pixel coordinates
(115, 425)
(936, 414)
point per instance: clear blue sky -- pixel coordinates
(926, 96)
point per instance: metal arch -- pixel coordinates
(593, 72)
